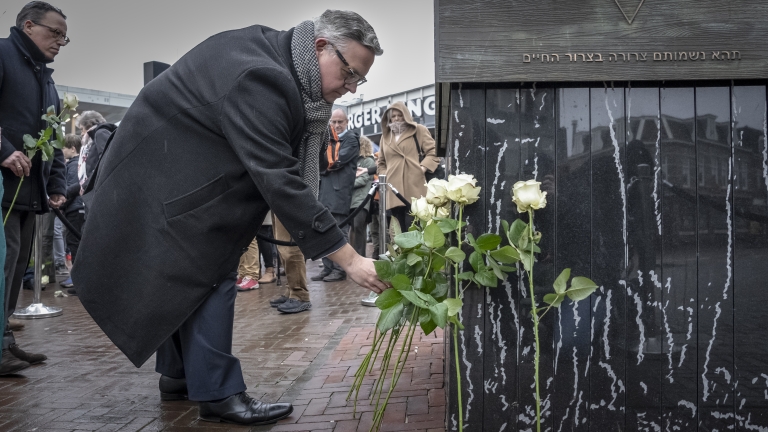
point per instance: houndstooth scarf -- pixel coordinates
(317, 112)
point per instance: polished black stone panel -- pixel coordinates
(572, 201)
(502, 324)
(609, 260)
(644, 324)
(467, 155)
(750, 250)
(714, 184)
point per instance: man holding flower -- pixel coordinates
(26, 93)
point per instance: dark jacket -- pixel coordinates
(26, 91)
(99, 136)
(338, 181)
(74, 201)
(206, 149)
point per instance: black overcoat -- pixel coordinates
(338, 182)
(26, 92)
(202, 154)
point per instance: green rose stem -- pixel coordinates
(18, 188)
(535, 324)
(456, 327)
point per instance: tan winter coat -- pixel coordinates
(400, 160)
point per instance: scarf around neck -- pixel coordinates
(317, 112)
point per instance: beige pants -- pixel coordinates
(294, 263)
(250, 263)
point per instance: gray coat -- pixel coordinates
(337, 182)
(202, 154)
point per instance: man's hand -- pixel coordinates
(359, 269)
(19, 163)
(56, 201)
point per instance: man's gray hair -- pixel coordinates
(89, 119)
(340, 26)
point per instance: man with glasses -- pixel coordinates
(232, 129)
(26, 91)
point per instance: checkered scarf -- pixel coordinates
(317, 112)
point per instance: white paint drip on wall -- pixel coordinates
(657, 174)
(690, 405)
(468, 365)
(493, 190)
(765, 146)
(620, 169)
(639, 321)
(607, 323)
(645, 388)
(495, 121)
(612, 375)
(479, 339)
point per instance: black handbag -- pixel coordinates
(438, 173)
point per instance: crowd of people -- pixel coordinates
(252, 174)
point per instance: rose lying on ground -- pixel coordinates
(528, 195)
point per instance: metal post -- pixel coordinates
(383, 231)
(37, 309)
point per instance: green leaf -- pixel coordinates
(508, 269)
(414, 298)
(426, 297)
(413, 259)
(441, 285)
(60, 135)
(476, 260)
(455, 320)
(408, 240)
(581, 288)
(453, 305)
(516, 230)
(554, 299)
(388, 298)
(487, 278)
(447, 225)
(428, 286)
(505, 225)
(466, 275)
(455, 254)
(428, 327)
(29, 142)
(506, 255)
(401, 282)
(496, 269)
(384, 269)
(433, 236)
(439, 314)
(471, 240)
(47, 134)
(394, 225)
(390, 318)
(424, 315)
(51, 110)
(525, 258)
(392, 252)
(488, 242)
(64, 118)
(438, 263)
(561, 283)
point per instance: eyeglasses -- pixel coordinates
(353, 77)
(56, 33)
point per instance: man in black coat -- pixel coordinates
(26, 91)
(337, 183)
(234, 128)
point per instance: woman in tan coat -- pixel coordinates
(399, 158)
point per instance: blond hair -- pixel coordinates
(366, 146)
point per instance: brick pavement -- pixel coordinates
(307, 359)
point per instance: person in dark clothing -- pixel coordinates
(96, 133)
(357, 237)
(232, 129)
(337, 183)
(26, 91)
(73, 210)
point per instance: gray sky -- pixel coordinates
(112, 39)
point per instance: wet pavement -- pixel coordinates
(307, 359)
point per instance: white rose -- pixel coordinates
(461, 189)
(528, 195)
(70, 101)
(436, 192)
(444, 212)
(421, 209)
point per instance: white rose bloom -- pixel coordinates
(436, 192)
(70, 101)
(461, 189)
(528, 195)
(444, 212)
(421, 209)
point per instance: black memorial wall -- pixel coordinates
(659, 193)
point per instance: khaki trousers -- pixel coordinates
(250, 262)
(294, 263)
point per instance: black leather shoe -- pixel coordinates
(278, 301)
(10, 364)
(173, 389)
(25, 356)
(244, 410)
(294, 306)
(321, 276)
(335, 277)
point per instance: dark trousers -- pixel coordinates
(357, 237)
(403, 216)
(266, 248)
(76, 219)
(19, 232)
(329, 265)
(201, 349)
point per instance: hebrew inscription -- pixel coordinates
(633, 57)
